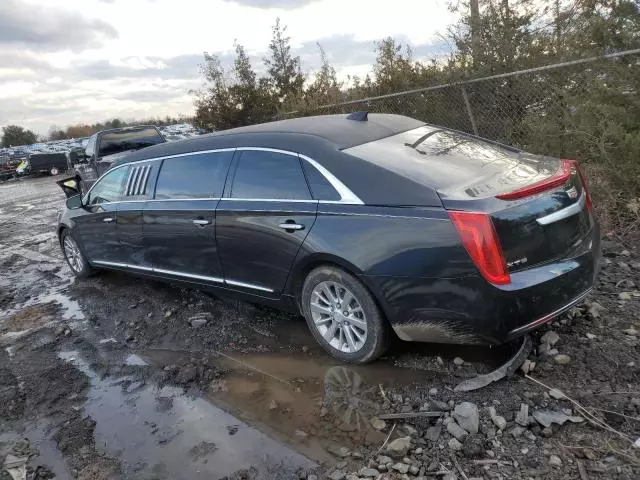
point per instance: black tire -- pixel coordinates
(54, 171)
(84, 270)
(378, 332)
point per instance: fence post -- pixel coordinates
(474, 126)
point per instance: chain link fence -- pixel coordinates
(587, 109)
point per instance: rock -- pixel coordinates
(409, 430)
(547, 417)
(458, 361)
(337, 475)
(522, 417)
(401, 467)
(358, 455)
(624, 296)
(382, 468)
(440, 406)
(323, 412)
(553, 352)
(456, 430)
(455, 445)
(378, 424)
(312, 477)
(433, 391)
(135, 386)
(273, 405)
(555, 461)
(543, 349)
(368, 472)
(516, 431)
(590, 336)
(595, 309)
(200, 319)
(550, 338)
(168, 313)
(413, 470)
(632, 332)
(467, 416)
(418, 451)
(473, 446)
(384, 460)
(301, 434)
(497, 420)
(399, 447)
(433, 433)
(546, 432)
(562, 359)
(339, 451)
(186, 374)
(557, 394)
(527, 366)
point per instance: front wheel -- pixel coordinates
(72, 253)
(343, 316)
(54, 171)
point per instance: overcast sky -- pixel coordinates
(69, 61)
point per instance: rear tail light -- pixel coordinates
(559, 178)
(481, 241)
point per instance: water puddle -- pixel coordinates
(162, 433)
(311, 403)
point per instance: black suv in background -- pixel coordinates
(108, 146)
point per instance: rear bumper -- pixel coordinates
(470, 310)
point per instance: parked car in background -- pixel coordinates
(108, 146)
(49, 163)
(8, 167)
(364, 224)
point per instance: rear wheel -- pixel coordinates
(72, 253)
(343, 316)
(54, 171)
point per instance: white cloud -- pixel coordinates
(131, 58)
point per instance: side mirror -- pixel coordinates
(74, 202)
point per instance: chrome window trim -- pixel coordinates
(143, 187)
(270, 200)
(347, 197)
(566, 212)
(136, 187)
(127, 188)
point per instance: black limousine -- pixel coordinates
(364, 224)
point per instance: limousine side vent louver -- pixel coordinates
(137, 181)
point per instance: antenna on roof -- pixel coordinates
(358, 116)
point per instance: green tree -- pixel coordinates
(14, 135)
(325, 88)
(283, 69)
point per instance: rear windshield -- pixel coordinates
(116, 142)
(437, 157)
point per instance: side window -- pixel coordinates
(91, 146)
(109, 188)
(193, 176)
(320, 186)
(269, 175)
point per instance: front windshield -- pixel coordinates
(117, 142)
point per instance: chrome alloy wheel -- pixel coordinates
(72, 252)
(338, 317)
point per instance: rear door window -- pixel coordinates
(109, 188)
(193, 176)
(269, 176)
(320, 186)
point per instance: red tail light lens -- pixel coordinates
(481, 241)
(557, 179)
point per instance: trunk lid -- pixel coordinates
(539, 221)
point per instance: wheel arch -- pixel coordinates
(313, 261)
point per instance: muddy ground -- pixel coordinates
(121, 378)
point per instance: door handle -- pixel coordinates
(108, 220)
(201, 222)
(292, 226)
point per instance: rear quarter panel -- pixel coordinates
(382, 242)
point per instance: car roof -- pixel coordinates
(337, 129)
